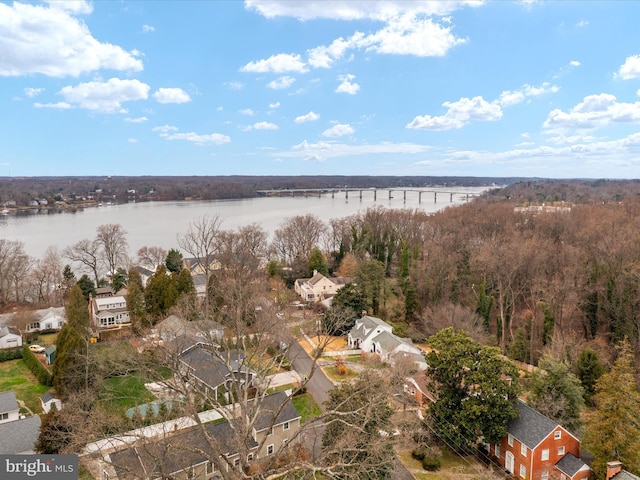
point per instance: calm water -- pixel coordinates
(160, 223)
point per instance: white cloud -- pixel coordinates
(73, 6)
(148, 28)
(136, 120)
(163, 129)
(459, 114)
(378, 10)
(51, 41)
(248, 112)
(281, 83)
(167, 132)
(235, 85)
(261, 126)
(509, 98)
(280, 63)
(33, 92)
(59, 105)
(324, 150)
(338, 130)
(347, 86)
(274, 105)
(105, 96)
(574, 63)
(593, 112)
(307, 117)
(630, 68)
(582, 23)
(324, 57)
(171, 95)
(132, 140)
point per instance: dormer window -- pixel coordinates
(557, 435)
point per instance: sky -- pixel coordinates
(292, 87)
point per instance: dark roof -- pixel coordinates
(19, 436)
(8, 402)
(211, 369)
(531, 427)
(624, 475)
(144, 271)
(275, 404)
(176, 452)
(570, 465)
(47, 397)
(10, 329)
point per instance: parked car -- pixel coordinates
(37, 348)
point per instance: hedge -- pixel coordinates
(7, 354)
(39, 370)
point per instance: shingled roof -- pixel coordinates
(19, 436)
(570, 465)
(531, 427)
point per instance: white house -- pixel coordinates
(109, 311)
(319, 287)
(9, 409)
(10, 337)
(51, 319)
(371, 334)
(49, 401)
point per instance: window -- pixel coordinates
(523, 471)
(4, 416)
(561, 450)
(270, 431)
(249, 457)
(210, 468)
(545, 475)
(545, 454)
(236, 462)
(496, 449)
(270, 450)
(105, 475)
(557, 435)
(286, 426)
(523, 449)
(191, 474)
(510, 440)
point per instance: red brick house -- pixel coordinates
(537, 448)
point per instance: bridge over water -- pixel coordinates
(318, 192)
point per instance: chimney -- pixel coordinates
(315, 272)
(613, 468)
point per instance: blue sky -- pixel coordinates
(266, 87)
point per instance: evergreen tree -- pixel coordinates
(119, 279)
(356, 442)
(77, 310)
(184, 282)
(137, 309)
(317, 262)
(157, 292)
(370, 277)
(69, 279)
(556, 392)
(174, 261)
(476, 390)
(87, 286)
(134, 277)
(589, 371)
(346, 307)
(613, 431)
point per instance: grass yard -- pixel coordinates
(16, 376)
(332, 373)
(122, 393)
(453, 467)
(306, 406)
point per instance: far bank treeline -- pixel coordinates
(24, 190)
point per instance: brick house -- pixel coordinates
(538, 448)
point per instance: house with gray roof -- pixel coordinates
(203, 452)
(50, 401)
(319, 287)
(213, 371)
(371, 334)
(10, 337)
(616, 472)
(538, 448)
(9, 408)
(19, 436)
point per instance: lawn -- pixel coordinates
(453, 467)
(332, 373)
(16, 376)
(306, 406)
(122, 393)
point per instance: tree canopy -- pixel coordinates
(475, 387)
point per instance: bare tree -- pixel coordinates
(151, 257)
(45, 279)
(295, 238)
(14, 264)
(112, 239)
(87, 254)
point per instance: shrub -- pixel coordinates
(431, 464)
(7, 354)
(39, 370)
(419, 453)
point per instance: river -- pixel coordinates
(160, 223)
